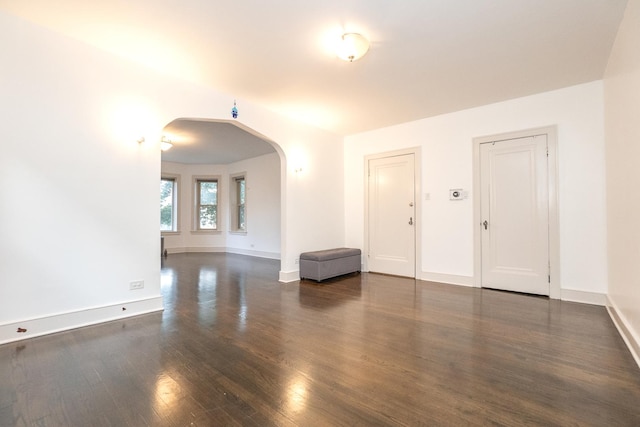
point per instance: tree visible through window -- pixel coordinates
(207, 191)
(168, 199)
(240, 198)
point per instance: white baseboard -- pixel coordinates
(629, 336)
(258, 254)
(573, 295)
(289, 276)
(584, 297)
(450, 279)
(76, 319)
(196, 249)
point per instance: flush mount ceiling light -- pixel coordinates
(352, 47)
(165, 144)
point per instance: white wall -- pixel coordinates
(262, 175)
(446, 144)
(262, 210)
(77, 201)
(71, 116)
(622, 119)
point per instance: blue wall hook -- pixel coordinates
(234, 110)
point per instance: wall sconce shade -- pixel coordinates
(352, 47)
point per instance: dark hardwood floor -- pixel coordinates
(235, 347)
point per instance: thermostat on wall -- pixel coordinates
(457, 194)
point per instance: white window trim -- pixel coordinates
(195, 223)
(233, 204)
(176, 202)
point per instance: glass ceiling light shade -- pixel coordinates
(165, 144)
(352, 47)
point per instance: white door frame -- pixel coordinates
(418, 204)
(554, 220)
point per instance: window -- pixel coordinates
(207, 204)
(169, 204)
(238, 203)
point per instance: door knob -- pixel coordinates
(485, 223)
(411, 220)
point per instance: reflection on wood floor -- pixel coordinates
(235, 347)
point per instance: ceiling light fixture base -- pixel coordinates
(352, 47)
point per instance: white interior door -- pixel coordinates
(392, 240)
(515, 215)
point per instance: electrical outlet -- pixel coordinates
(136, 284)
(297, 261)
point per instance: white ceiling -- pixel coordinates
(427, 57)
(211, 142)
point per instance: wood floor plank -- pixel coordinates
(236, 347)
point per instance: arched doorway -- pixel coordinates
(231, 160)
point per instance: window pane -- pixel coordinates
(166, 204)
(208, 217)
(241, 224)
(240, 194)
(241, 191)
(208, 193)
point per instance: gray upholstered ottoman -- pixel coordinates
(321, 265)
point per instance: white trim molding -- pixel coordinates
(211, 249)
(584, 297)
(289, 276)
(626, 332)
(77, 319)
(450, 279)
(254, 253)
(195, 249)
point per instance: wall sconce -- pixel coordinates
(140, 140)
(297, 159)
(352, 47)
(165, 144)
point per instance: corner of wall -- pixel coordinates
(289, 276)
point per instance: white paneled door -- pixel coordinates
(515, 215)
(391, 210)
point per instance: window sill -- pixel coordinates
(169, 233)
(206, 232)
(238, 232)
